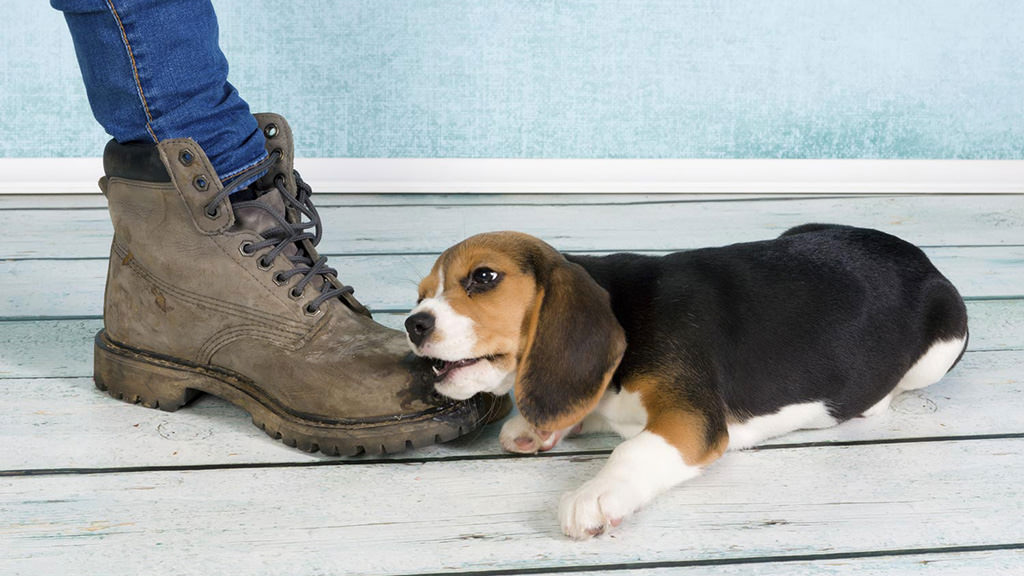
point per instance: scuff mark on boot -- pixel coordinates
(161, 300)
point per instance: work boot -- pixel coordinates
(230, 297)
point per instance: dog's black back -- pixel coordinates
(822, 313)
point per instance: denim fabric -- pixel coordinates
(153, 70)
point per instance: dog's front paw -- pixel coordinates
(517, 435)
(595, 507)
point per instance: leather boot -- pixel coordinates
(232, 299)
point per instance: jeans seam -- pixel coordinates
(135, 70)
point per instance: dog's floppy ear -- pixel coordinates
(572, 346)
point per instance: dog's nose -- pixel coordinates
(419, 326)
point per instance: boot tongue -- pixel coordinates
(257, 216)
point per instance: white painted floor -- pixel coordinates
(90, 485)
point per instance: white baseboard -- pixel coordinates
(562, 176)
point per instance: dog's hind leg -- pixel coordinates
(933, 364)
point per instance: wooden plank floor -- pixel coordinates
(89, 485)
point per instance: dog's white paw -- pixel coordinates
(517, 435)
(595, 507)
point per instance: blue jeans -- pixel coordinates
(153, 70)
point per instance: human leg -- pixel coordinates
(154, 71)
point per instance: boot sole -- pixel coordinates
(157, 381)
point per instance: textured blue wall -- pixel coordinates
(582, 78)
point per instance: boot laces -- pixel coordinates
(286, 234)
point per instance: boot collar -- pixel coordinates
(134, 161)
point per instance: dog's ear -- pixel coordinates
(572, 346)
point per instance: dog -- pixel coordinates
(687, 354)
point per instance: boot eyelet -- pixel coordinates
(212, 214)
(246, 248)
(270, 130)
(201, 183)
(186, 157)
(262, 264)
(308, 310)
(295, 294)
(279, 279)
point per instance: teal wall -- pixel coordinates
(581, 78)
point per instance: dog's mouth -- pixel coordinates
(443, 368)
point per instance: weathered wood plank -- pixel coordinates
(63, 348)
(43, 288)
(52, 201)
(327, 200)
(987, 563)
(68, 423)
(374, 229)
(500, 515)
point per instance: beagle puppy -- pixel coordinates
(684, 355)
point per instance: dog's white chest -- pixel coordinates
(623, 412)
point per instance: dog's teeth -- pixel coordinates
(436, 370)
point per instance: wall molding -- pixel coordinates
(570, 176)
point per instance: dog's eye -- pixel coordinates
(484, 276)
(481, 280)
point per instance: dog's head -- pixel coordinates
(503, 310)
